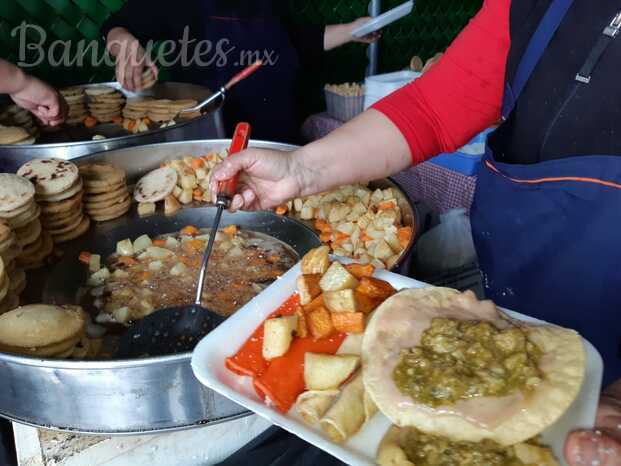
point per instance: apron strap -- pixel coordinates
(609, 34)
(536, 48)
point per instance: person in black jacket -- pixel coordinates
(209, 41)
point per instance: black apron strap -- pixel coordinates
(609, 34)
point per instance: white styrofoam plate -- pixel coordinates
(384, 19)
(210, 354)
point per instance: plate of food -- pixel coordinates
(377, 368)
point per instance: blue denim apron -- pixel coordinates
(548, 235)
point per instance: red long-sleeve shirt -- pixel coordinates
(462, 94)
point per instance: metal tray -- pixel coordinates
(73, 142)
(143, 395)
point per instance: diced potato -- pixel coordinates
(319, 323)
(316, 261)
(348, 248)
(378, 264)
(366, 304)
(385, 219)
(393, 242)
(186, 196)
(99, 277)
(154, 252)
(298, 204)
(338, 214)
(155, 266)
(339, 251)
(146, 208)
(337, 278)
(307, 213)
(359, 270)
(302, 329)
(348, 322)
(121, 315)
(324, 371)
(179, 269)
(172, 242)
(382, 251)
(177, 191)
(313, 201)
(365, 220)
(171, 205)
(201, 174)
(277, 336)
(120, 273)
(377, 196)
(347, 190)
(364, 259)
(188, 182)
(374, 233)
(308, 287)
(340, 301)
(346, 228)
(388, 194)
(141, 243)
(125, 247)
(94, 263)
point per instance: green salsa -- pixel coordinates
(457, 360)
(431, 450)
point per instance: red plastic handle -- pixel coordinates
(243, 74)
(239, 142)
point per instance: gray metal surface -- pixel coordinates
(74, 142)
(144, 395)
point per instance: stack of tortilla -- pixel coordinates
(166, 110)
(20, 213)
(59, 191)
(148, 78)
(106, 196)
(76, 100)
(14, 115)
(8, 299)
(136, 109)
(43, 331)
(105, 103)
(15, 135)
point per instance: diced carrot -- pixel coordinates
(118, 120)
(190, 231)
(85, 257)
(404, 235)
(197, 194)
(281, 210)
(230, 230)
(359, 270)
(323, 226)
(375, 288)
(314, 304)
(90, 122)
(197, 163)
(325, 237)
(131, 125)
(348, 322)
(340, 238)
(127, 260)
(386, 205)
(194, 246)
(319, 323)
(160, 243)
(147, 120)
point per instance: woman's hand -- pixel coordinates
(340, 34)
(601, 446)
(42, 100)
(268, 178)
(131, 59)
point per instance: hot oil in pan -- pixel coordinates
(242, 265)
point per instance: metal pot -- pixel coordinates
(77, 141)
(145, 395)
(133, 396)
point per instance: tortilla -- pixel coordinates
(50, 176)
(326, 371)
(156, 185)
(391, 452)
(313, 404)
(69, 193)
(99, 175)
(399, 323)
(15, 192)
(40, 325)
(347, 415)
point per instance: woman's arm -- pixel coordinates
(457, 98)
(336, 35)
(32, 94)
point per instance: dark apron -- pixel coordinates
(548, 235)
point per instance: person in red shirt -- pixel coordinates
(546, 209)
